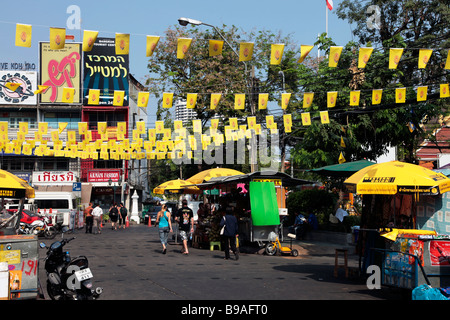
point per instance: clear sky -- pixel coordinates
(302, 19)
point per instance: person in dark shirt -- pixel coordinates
(230, 233)
(185, 219)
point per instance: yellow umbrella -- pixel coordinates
(11, 186)
(397, 177)
(176, 186)
(206, 175)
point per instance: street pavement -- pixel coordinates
(129, 265)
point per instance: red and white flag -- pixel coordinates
(330, 4)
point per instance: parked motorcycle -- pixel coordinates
(35, 224)
(68, 279)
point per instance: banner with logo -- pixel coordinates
(107, 71)
(60, 69)
(24, 93)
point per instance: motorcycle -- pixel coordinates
(35, 224)
(67, 278)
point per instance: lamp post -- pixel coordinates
(110, 182)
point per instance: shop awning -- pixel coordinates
(12, 186)
(345, 169)
(263, 204)
(209, 174)
(176, 186)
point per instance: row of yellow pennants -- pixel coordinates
(58, 37)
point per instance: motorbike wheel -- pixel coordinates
(294, 252)
(271, 249)
(53, 292)
(50, 233)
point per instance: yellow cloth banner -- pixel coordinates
(251, 122)
(342, 142)
(424, 57)
(304, 51)
(233, 123)
(43, 127)
(376, 96)
(183, 45)
(246, 51)
(447, 63)
(82, 127)
(394, 57)
(118, 98)
(215, 47)
(62, 126)
(41, 89)
(159, 126)
(67, 95)
(306, 119)
(341, 158)
(152, 42)
(12, 86)
(191, 100)
(324, 118)
(239, 101)
(276, 53)
(444, 90)
(400, 95)
(422, 93)
(308, 99)
(331, 99)
(215, 98)
(121, 128)
(94, 96)
(364, 56)
(101, 127)
(335, 54)
(23, 127)
(167, 100)
(287, 121)
(23, 35)
(89, 38)
(354, 98)
(197, 125)
(57, 38)
(177, 125)
(270, 123)
(285, 97)
(262, 101)
(143, 99)
(122, 43)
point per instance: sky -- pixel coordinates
(301, 19)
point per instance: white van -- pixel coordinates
(59, 204)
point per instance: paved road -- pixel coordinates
(128, 264)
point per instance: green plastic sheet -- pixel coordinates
(264, 205)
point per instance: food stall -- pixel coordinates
(404, 223)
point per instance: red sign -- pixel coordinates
(103, 175)
(440, 253)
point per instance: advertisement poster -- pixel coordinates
(105, 70)
(60, 69)
(23, 94)
(440, 253)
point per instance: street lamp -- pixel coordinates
(110, 182)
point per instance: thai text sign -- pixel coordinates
(54, 177)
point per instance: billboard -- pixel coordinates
(23, 94)
(60, 69)
(105, 70)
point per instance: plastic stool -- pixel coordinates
(337, 265)
(214, 243)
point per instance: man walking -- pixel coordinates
(185, 221)
(97, 213)
(88, 218)
(123, 215)
(230, 233)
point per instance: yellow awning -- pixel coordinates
(176, 186)
(206, 175)
(11, 186)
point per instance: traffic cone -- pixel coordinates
(149, 222)
(127, 223)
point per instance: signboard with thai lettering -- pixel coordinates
(54, 177)
(103, 175)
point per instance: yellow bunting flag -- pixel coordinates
(67, 95)
(101, 127)
(331, 99)
(143, 99)
(167, 100)
(342, 142)
(215, 98)
(215, 47)
(239, 101)
(178, 124)
(94, 96)
(191, 100)
(324, 117)
(262, 101)
(251, 122)
(270, 123)
(121, 127)
(41, 89)
(354, 98)
(304, 51)
(122, 43)
(23, 35)
(447, 63)
(400, 95)
(376, 96)
(23, 127)
(82, 127)
(287, 121)
(140, 127)
(306, 118)
(12, 86)
(159, 126)
(233, 123)
(285, 97)
(335, 54)
(422, 93)
(364, 56)
(308, 99)
(118, 98)
(444, 92)
(341, 158)
(424, 57)
(89, 38)
(152, 42)
(62, 126)
(276, 53)
(43, 127)
(183, 45)
(246, 51)
(214, 124)
(57, 38)
(197, 125)
(394, 57)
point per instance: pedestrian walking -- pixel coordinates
(164, 225)
(185, 221)
(88, 218)
(123, 215)
(114, 216)
(230, 233)
(98, 216)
